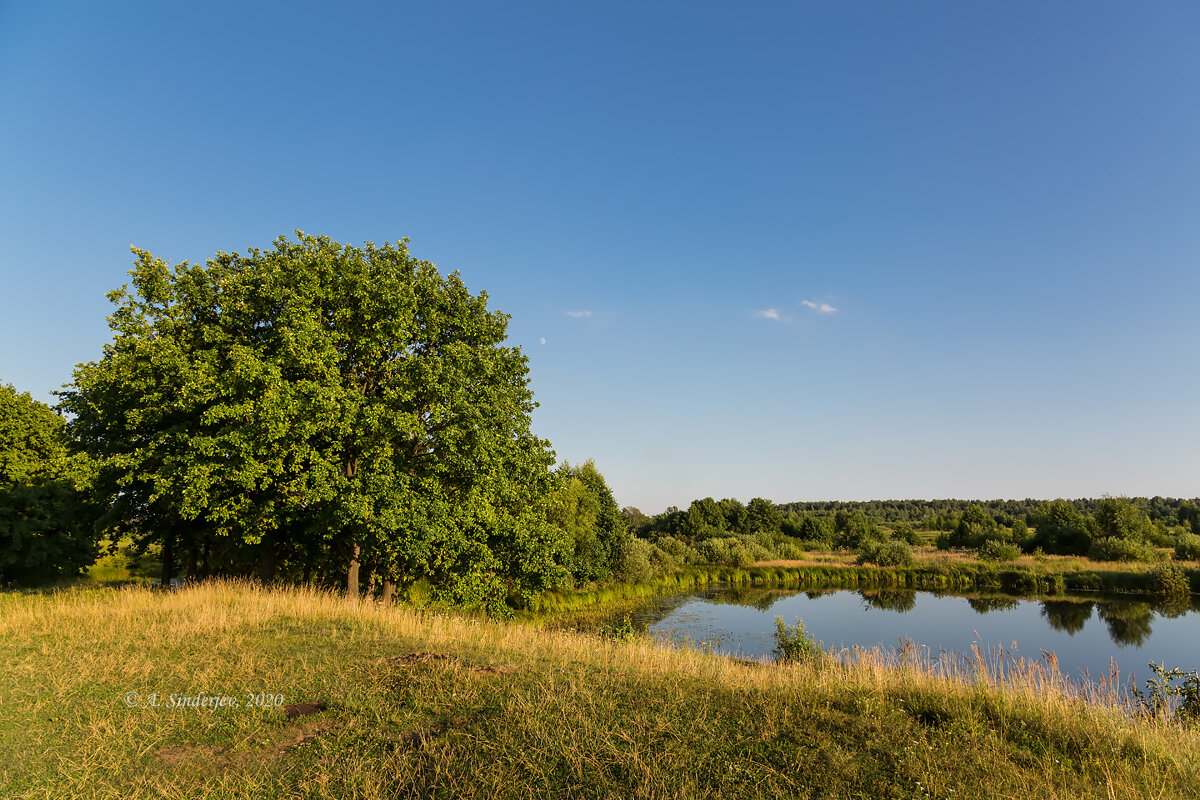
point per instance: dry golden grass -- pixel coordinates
(513, 710)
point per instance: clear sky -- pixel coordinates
(796, 250)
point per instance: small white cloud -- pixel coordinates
(578, 314)
(767, 313)
(542, 340)
(823, 308)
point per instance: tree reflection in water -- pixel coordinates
(1066, 616)
(1128, 622)
(983, 605)
(891, 599)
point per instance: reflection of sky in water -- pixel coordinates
(1081, 635)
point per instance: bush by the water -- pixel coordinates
(993, 550)
(885, 554)
(634, 562)
(1187, 547)
(795, 644)
(1170, 580)
(1110, 548)
(1163, 697)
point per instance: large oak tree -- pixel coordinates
(318, 402)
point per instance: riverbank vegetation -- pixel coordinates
(370, 701)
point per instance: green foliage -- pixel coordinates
(885, 554)
(904, 532)
(1113, 549)
(315, 407)
(730, 551)
(851, 529)
(763, 516)
(795, 644)
(671, 551)
(1120, 518)
(584, 508)
(1163, 697)
(1187, 547)
(704, 520)
(994, 550)
(792, 524)
(789, 551)
(974, 528)
(46, 519)
(1059, 527)
(737, 517)
(1170, 580)
(621, 630)
(634, 563)
(1020, 530)
(817, 530)
(1188, 515)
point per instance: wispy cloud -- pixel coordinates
(578, 314)
(821, 308)
(768, 313)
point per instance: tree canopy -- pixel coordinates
(320, 404)
(46, 528)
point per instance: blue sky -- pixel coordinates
(802, 251)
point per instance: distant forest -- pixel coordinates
(944, 515)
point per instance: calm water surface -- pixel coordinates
(1083, 631)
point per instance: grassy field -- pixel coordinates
(417, 704)
(927, 555)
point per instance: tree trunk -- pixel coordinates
(352, 575)
(389, 589)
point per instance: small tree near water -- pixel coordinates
(793, 644)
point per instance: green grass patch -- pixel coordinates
(414, 703)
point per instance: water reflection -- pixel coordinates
(741, 621)
(986, 605)
(1128, 623)
(1066, 616)
(901, 600)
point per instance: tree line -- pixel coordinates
(883, 532)
(350, 416)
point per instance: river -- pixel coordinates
(1087, 633)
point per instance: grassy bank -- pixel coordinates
(932, 572)
(411, 704)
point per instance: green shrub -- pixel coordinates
(633, 565)
(1160, 538)
(790, 551)
(885, 554)
(1187, 547)
(662, 562)
(993, 550)
(729, 551)
(1111, 548)
(622, 630)
(1162, 694)
(766, 540)
(795, 644)
(904, 532)
(1170, 580)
